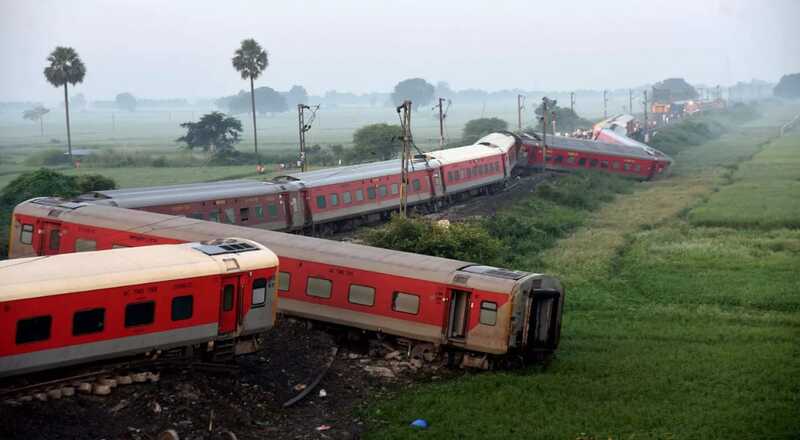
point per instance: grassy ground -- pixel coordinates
(765, 192)
(672, 329)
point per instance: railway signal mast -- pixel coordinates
(404, 111)
(303, 128)
(520, 108)
(572, 102)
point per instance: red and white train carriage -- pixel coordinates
(569, 154)
(437, 302)
(330, 197)
(74, 308)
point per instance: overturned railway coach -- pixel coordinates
(212, 299)
(631, 159)
(476, 311)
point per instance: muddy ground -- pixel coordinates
(247, 403)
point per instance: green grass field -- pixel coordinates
(672, 330)
(765, 192)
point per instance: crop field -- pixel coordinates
(765, 192)
(153, 132)
(673, 329)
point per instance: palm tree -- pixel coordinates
(65, 68)
(250, 60)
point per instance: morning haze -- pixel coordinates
(183, 49)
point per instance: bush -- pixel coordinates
(460, 241)
(47, 158)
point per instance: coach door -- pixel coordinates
(458, 315)
(229, 304)
(50, 238)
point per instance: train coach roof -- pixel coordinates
(307, 249)
(591, 146)
(464, 154)
(79, 272)
(350, 173)
(173, 194)
(500, 140)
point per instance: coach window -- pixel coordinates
(244, 214)
(615, 165)
(637, 167)
(141, 313)
(55, 239)
(26, 234)
(321, 202)
(571, 159)
(474, 171)
(603, 164)
(262, 287)
(395, 188)
(405, 302)
(488, 313)
(334, 199)
(182, 307)
(371, 193)
(88, 321)
(416, 185)
(84, 245)
(259, 210)
(593, 163)
(382, 191)
(272, 210)
(213, 216)
(363, 295)
(284, 280)
(346, 198)
(230, 215)
(319, 287)
(359, 195)
(469, 173)
(626, 166)
(449, 176)
(33, 329)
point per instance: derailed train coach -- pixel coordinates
(330, 199)
(478, 314)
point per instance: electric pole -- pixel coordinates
(572, 101)
(544, 132)
(404, 111)
(605, 104)
(520, 107)
(630, 101)
(441, 123)
(645, 117)
(303, 127)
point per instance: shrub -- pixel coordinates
(47, 158)
(460, 241)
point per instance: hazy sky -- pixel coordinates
(159, 48)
